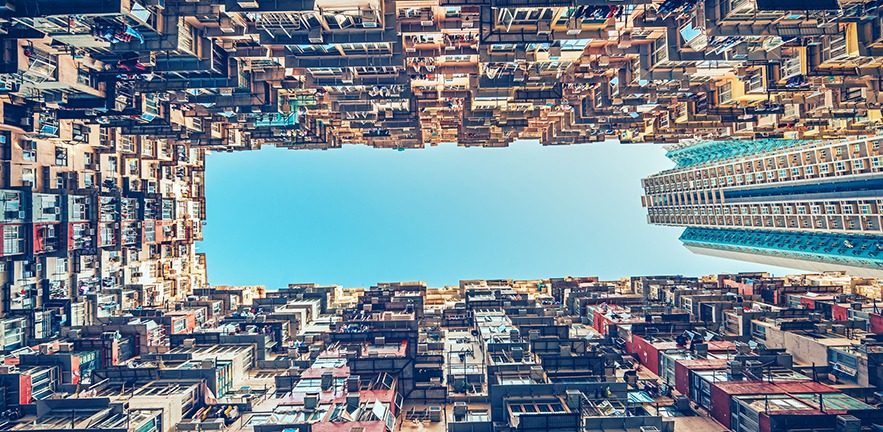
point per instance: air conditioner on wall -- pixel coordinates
(369, 19)
(315, 36)
(574, 27)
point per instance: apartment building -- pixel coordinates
(809, 204)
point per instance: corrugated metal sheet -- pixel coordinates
(739, 388)
(722, 346)
(703, 364)
(806, 387)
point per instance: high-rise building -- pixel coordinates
(808, 204)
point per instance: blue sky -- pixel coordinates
(357, 216)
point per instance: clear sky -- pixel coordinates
(357, 216)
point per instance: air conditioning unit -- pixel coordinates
(347, 77)
(544, 28)
(311, 400)
(574, 27)
(554, 52)
(248, 4)
(369, 19)
(315, 36)
(226, 25)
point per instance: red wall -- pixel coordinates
(38, 237)
(70, 236)
(763, 423)
(191, 321)
(75, 370)
(839, 312)
(808, 302)
(876, 321)
(682, 379)
(720, 405)
(743, 288)
(600, 323)
(25, 390)
(647, 353)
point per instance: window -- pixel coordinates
(80, 133)
(865, 209)
(758, 331)
(61, 266)
(29, 150)
(27, 175)
(185, 35)
(478, 416)
(13, 239)
(725, 93)
(60, 156)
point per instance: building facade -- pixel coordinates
(809, 204)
